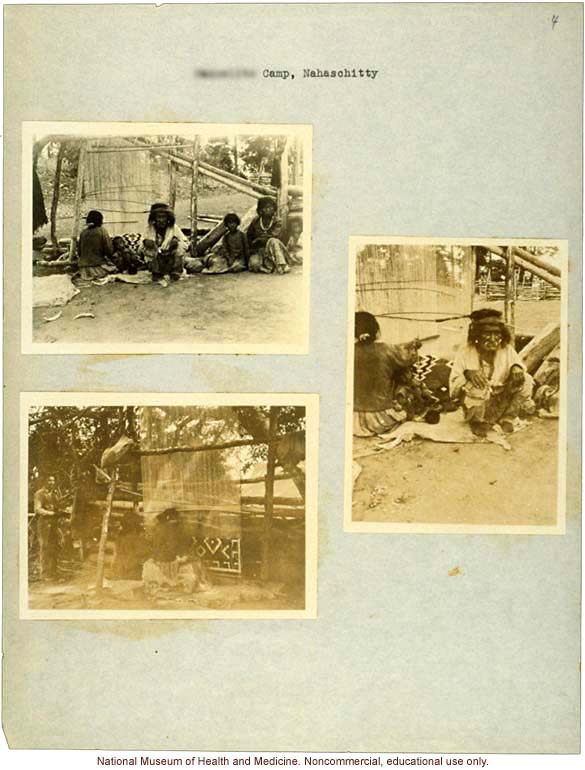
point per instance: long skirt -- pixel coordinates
(272, 258)
(97, 271)
(366, 424)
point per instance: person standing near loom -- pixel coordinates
(46, 502)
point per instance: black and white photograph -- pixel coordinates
(169, 507)
(456, 385)
(166, 238)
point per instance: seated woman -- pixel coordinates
(382, 391)
(172, 562)
(488, 376)
(164, 245)
(95, 249)
(268, 253)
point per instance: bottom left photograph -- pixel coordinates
(168, 505)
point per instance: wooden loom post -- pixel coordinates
(78, 198)
(269, 493)
(297, 162)
(99, 577)
(56, 191)
(510, 291)
(194, 178)
(172, 184)
(282, 200)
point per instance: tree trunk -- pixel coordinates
(269, 492)
(56, 191)
(99, 578)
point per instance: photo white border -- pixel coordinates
(311, 404)
(359, 241)
(30, 129)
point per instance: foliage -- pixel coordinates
(67, 441)
(258, 152)
(219, 153)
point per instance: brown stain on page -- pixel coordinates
(141, 629)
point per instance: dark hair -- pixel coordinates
(169, 514)
(476, 329)
(95, 218)
(366, 328)
(231, 217)
(156, 208)
(264, 202)
(39, 241)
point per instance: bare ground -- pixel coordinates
(424, 482)
(246, 308)
(79, 594)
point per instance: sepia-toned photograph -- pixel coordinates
(456, 369)
(161, 506)
(166, 238)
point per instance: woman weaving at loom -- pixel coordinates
(384, 394)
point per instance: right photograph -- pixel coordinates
(456, 416)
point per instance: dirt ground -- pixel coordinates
(229, 309)
(79, 594)
(424, 482)
(249, 308)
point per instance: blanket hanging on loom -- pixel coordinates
(203, 486)
(122, 185)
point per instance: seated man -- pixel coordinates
(488, 376)
(164, 246)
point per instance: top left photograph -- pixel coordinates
(165, 238)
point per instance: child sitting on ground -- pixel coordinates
(231, 256)
(235, 244)
(123, 257)
(294, 244)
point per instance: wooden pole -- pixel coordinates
(297, 162)
(537, 261)
(529, 266)
(283, 192)
(172, 184)
(240, 185)
(226, 177)
(56, 191)
(269, 493)
(236, 159)
(541, 346)
(510, 296)
(78, 199)
(99, 577)
(194, 179)
(208, 447)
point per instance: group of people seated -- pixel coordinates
(487, 379)
(166, 251)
